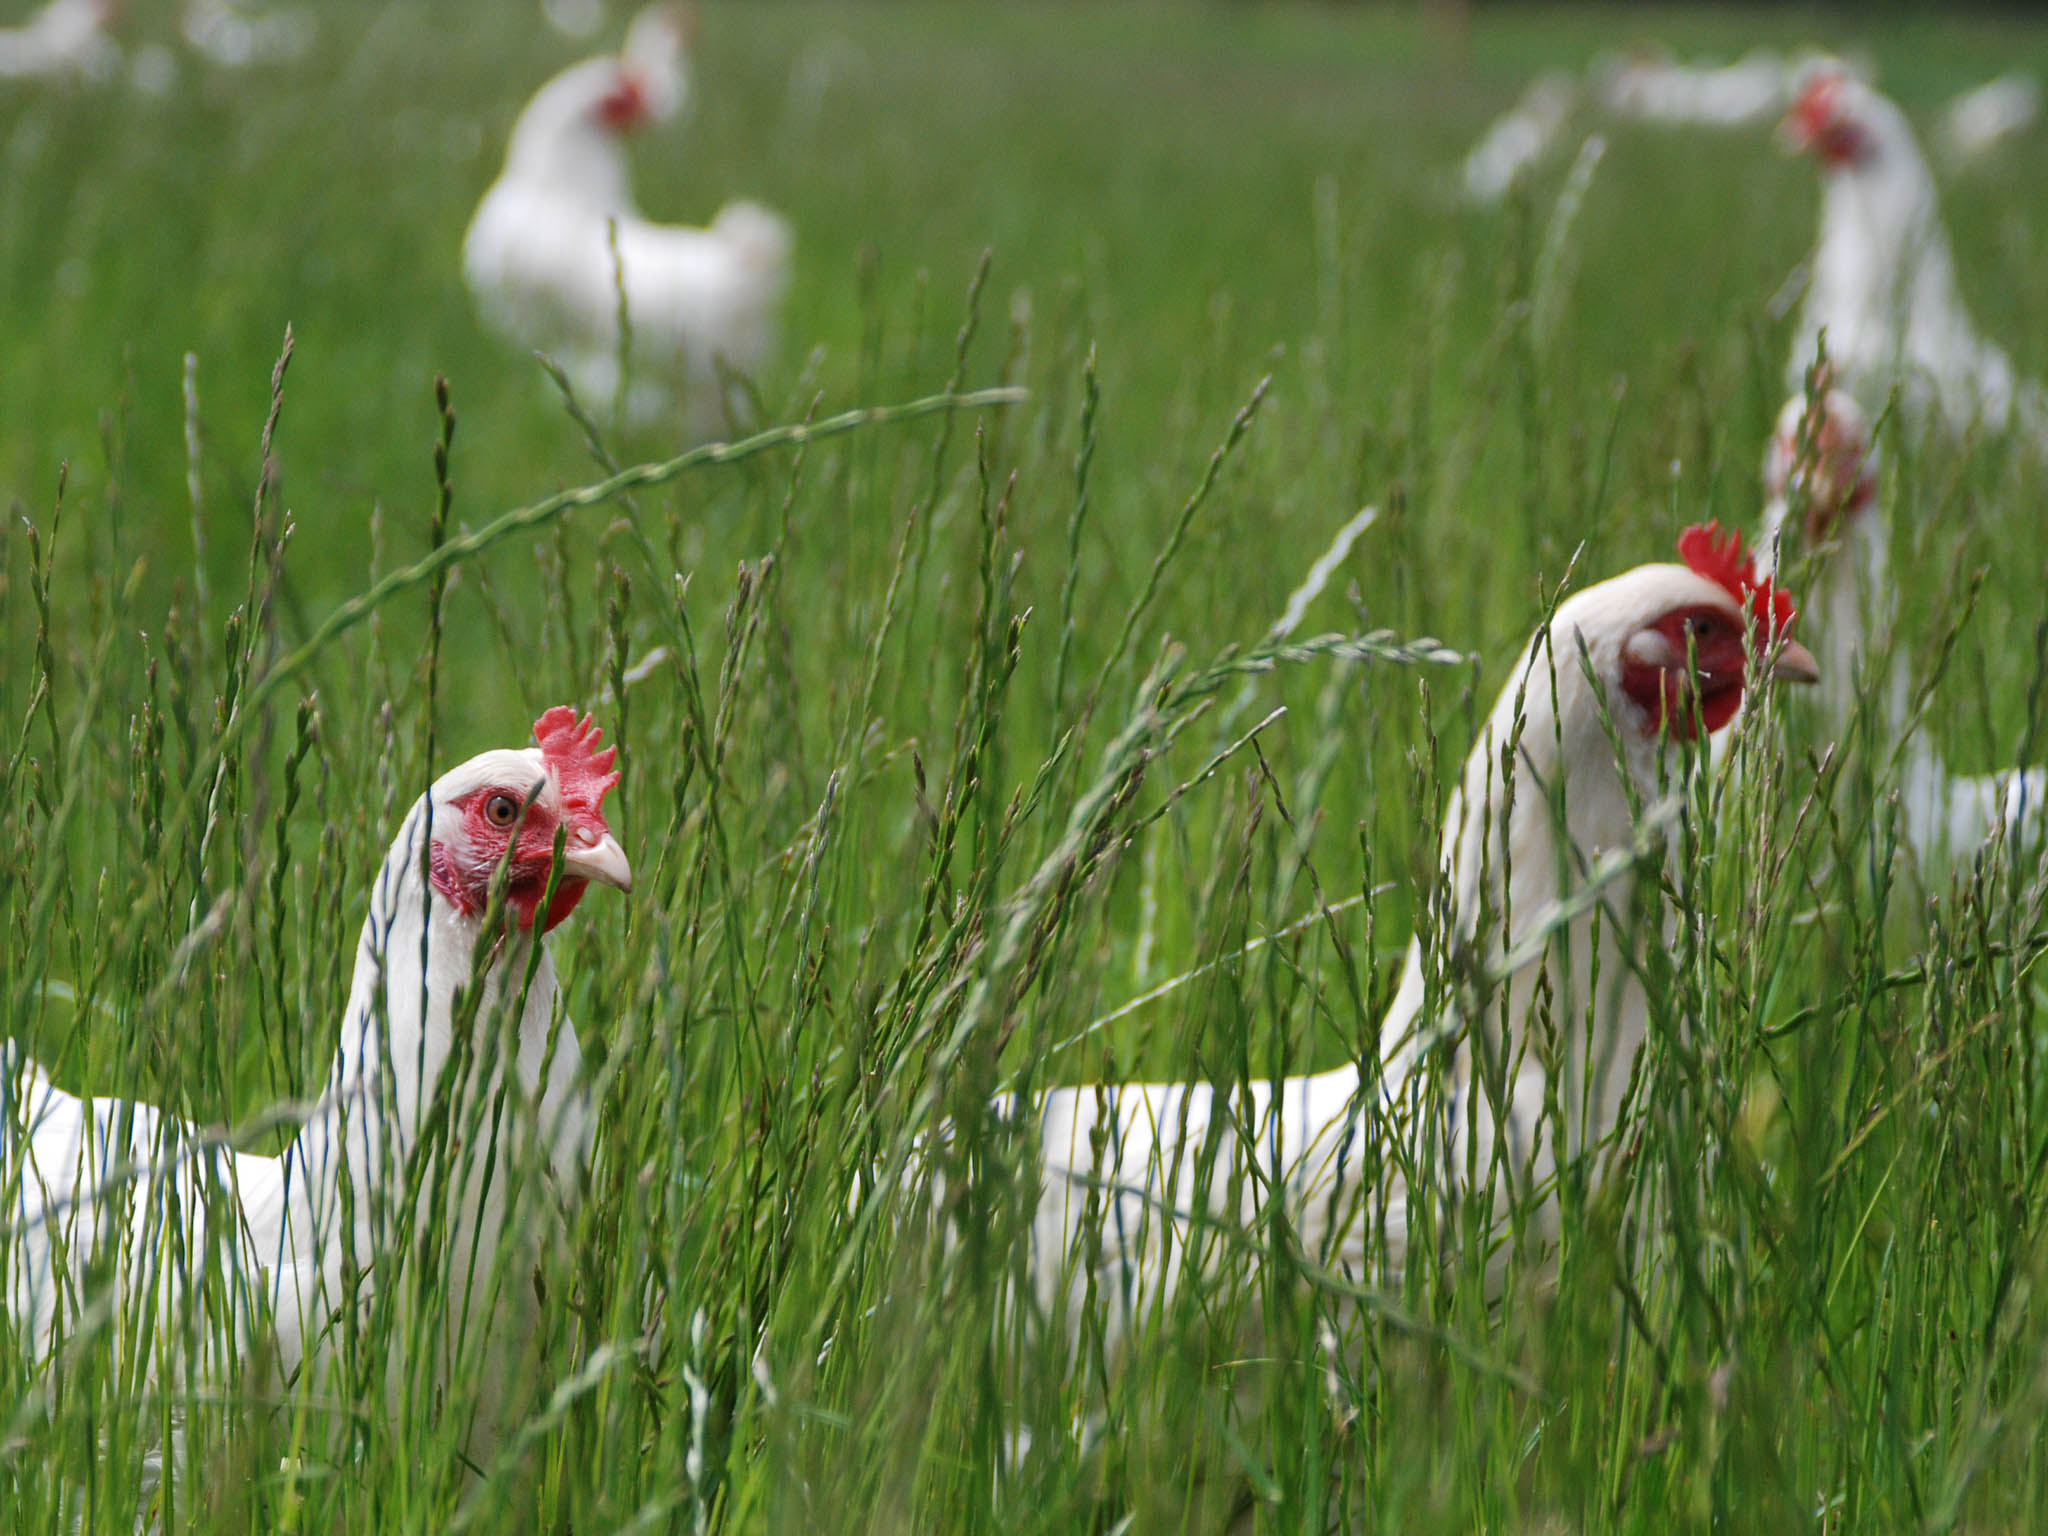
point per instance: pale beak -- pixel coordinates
(1794, 663)
(1792, 136)
(603, 861)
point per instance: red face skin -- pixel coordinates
(1666, 694)
(464, 878)
(624, 107)
(1819, 124)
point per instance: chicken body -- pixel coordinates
(1454, 1098)
(1829, 467)
(1519, 138)
(123, 1217)
(1883, 282)
(1827, 464)
(1651, 86)
(558, 247)
(65, 37)
(1985, 116)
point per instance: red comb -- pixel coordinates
(1815, 103)
(1719, 557)
(570, 746)
(1822, 121)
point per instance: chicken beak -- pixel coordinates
(1794, 135)
(603, 861)
(1794, 663)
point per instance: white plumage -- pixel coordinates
(123, 1218)
(1650, 85)
(558, 237)
(1945, 815)
(1987, 115)
(1883, 284)
(1117, 1222)
(1825, 467)
(65, 37)
(574, 18)
(1519, 138)
(1828, 467)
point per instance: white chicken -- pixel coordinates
(1986, 115)
(1883, 282)
(117, 1211)
(558, 248)
(1826, 465)
(65, 37)
(1829, 468)
(1519, 138)
(1451, 1090)
(1651, 86)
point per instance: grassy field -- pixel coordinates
(898, 663)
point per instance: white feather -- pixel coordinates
(1987, 115)
(1652, 87)
(1519, 138)
(65, 37)
(1832, 471)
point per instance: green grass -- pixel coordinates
(878, 746)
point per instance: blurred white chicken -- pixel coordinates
(1883, 283)
(1519, 138)
(65, 37)
(574, 18)
(1450, 1085)
(558, 248)
(1651, 86)
(1825, 464)
(1987, 115)
(120, 1217)
(1828, 466)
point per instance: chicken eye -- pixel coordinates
(501, 810)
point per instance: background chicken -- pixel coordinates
(64, 38)
(1651, 85)
(1458, 1107)
(558, 247)
(1985, 116)
(1823, 520)
(1883, 283)
(1520, 137)
(1827, 465)
(123, 1217)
